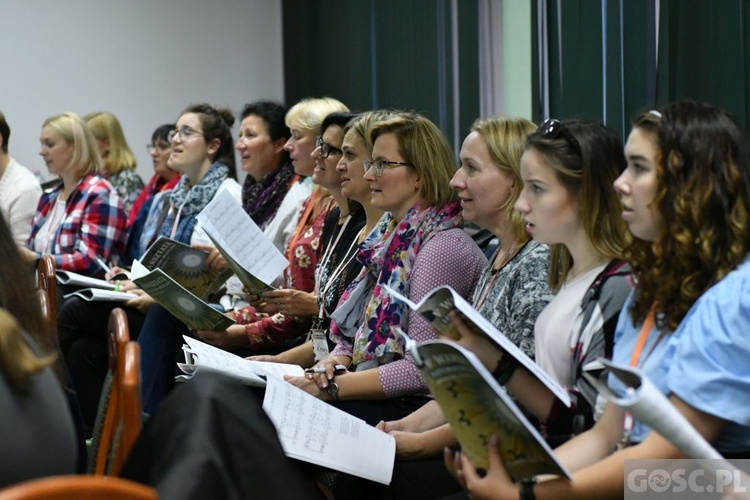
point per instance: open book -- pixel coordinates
(74, 279)
(440, 302)
(314, 431)
(178, 300)
(185, 265)
(202, 357)
(477, 407)
(250, 254)
(100, 295)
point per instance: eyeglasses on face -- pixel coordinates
(326, 148)
(185, 133)
(379, 166)
(159, 146)
(552, 129)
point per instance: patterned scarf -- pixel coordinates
(189, 201)
(388, 256)
(261, 200)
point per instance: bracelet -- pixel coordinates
(38, 259)
(526, 489)
(505, 368)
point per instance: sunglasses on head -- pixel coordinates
(553, 129)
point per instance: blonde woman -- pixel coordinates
(82, 218)
(119, 161)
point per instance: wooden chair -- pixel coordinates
(119, 417)
(44, 303)
(46, 280)
(78, 487)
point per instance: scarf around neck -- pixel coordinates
(388, 255)
(187, 201)
(262, 199)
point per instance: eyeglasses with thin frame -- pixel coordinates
(185, 133)
(326, 148)
(379, 166)
(159, 146)
(552, 129)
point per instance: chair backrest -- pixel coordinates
(119, 418)
(46, 279)
(130, 415)
(78, 487)
(44, 304)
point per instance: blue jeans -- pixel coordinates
(161, 342)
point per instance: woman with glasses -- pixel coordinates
(266, 327)
(292, 309)
(418, 245)
(341, 236)
(203, 154)
(511, 293)
(164, 179)
(119, 161)
(685, 197)
(81, 219)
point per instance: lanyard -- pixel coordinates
(648, 324)
(339, 269)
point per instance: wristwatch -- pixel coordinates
(333, 390)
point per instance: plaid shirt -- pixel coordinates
(93, 225)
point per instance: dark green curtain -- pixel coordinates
(383, 54)
(601, 60)
(703, 53)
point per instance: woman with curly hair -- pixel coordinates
(685, 195)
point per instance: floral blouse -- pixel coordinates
(267, 331)
(128, 185)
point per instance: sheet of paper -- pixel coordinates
(75, 279)
(99, 295)
(250, 372)
(230, 227)
(314, 431)
(433, 308)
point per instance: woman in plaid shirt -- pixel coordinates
(81, 218)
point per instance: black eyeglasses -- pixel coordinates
(552, 129)
(185, 133)
(326, 148)
(379, 166)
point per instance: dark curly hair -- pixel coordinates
(703, 197)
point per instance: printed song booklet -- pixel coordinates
(440, 302)
(250, 254)
(477, 407)
(185, 265)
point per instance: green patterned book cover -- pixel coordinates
(183, 304)
(186, 265)
(477, 408)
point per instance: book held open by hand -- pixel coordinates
(477, 407)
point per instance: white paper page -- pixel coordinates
(99, 295)
(228, 224)
(314, 431)
(217, 359)
(501, 340)
(138, 270)
(71, 278)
